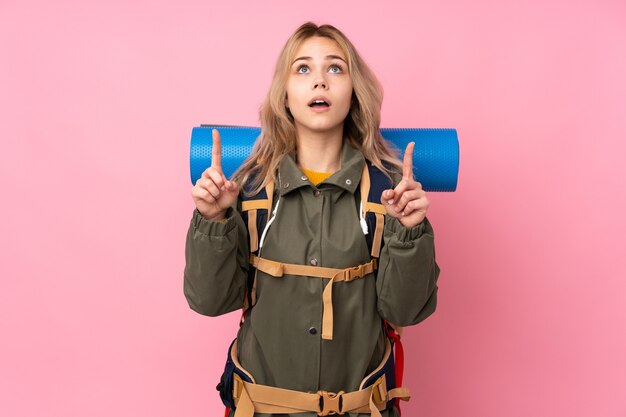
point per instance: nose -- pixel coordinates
(320, 82)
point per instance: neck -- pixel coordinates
(320, 151)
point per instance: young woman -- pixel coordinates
(317, 336)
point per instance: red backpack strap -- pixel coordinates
(395, 332)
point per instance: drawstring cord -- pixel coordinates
(270, 221)
(362, 220)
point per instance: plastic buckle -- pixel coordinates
(331, 403)
(379, 392)
(353, 273)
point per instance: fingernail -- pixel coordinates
(222, 188)
(390, 202)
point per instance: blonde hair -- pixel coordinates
(278, 131)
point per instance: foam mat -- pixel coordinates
(435, 157)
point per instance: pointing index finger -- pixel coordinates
(407, 165)
(216, 155)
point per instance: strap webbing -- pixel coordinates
(278, 269)
(376, 208)
(252, 230)
(378, 235)
(254, 204)
(256, 398)
(251, 206)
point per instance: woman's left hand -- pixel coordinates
(407, 202)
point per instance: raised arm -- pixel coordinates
(216, 249)
(408, 272)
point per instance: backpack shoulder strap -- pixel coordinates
(255, 210)
(373, 183)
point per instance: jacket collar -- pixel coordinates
(348, 176)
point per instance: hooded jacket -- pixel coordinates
(280, 341)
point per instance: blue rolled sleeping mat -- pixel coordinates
(435, 157)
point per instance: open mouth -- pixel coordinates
(319, 103)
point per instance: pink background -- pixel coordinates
(97, 103)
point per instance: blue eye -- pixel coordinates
(338, 67)
(300, 67)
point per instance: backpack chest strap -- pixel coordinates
(278, 269)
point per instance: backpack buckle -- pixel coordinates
(350, 274)
(379, 390)
(331, 403)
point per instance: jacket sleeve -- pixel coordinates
(406, 284)
(216, 264)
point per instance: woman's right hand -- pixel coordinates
(213, 193)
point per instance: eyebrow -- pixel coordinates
(327, 58)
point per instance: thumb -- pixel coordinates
(387, 197)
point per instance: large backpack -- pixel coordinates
(256, 209)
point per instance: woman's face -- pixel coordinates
(319, 71)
